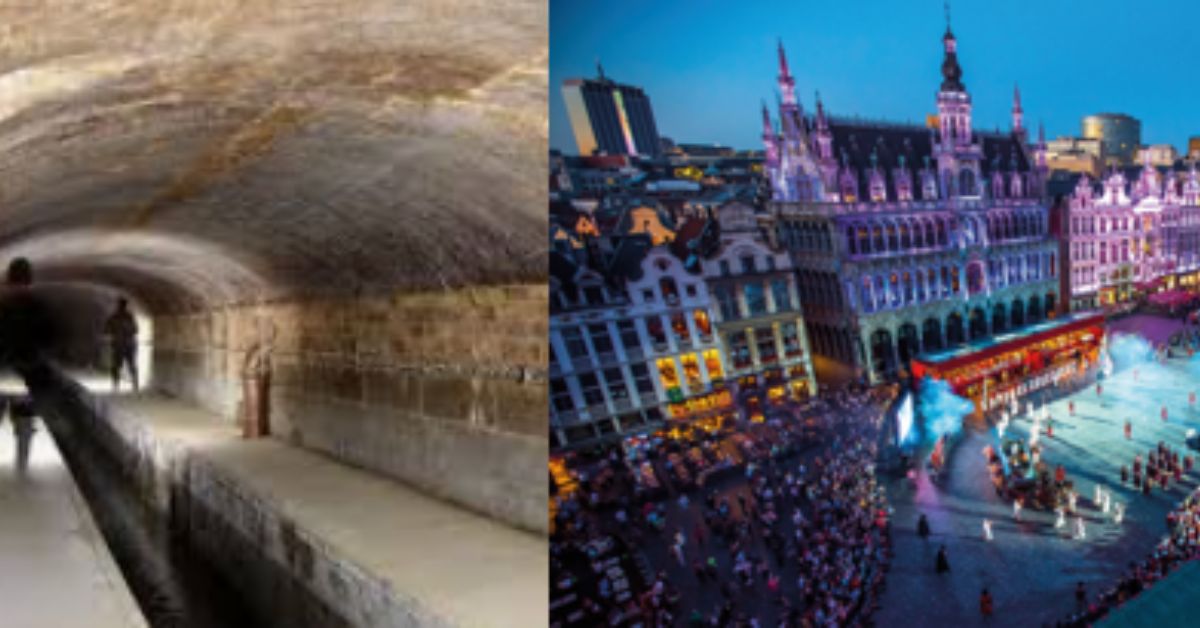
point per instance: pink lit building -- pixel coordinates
(1137, 231)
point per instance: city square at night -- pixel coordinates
(872, 316)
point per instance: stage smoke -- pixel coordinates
(941, 412)
(1130, 350)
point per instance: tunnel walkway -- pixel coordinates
(444, 565)
(54, 566)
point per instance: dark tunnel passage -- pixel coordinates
(321, 213)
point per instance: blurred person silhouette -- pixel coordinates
(26, 333)
(122, 330)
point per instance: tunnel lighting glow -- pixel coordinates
(26, 87)
(206, 270)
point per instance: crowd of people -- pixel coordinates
(1162, 465)
(1181, 545)
(795, 539)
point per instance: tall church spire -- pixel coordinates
(787, 84)
(1018, 124)
(951, 72)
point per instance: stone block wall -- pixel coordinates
(445, 391)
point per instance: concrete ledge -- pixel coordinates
(286, 523)
(55, 567)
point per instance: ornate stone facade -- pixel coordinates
(910, 239)
(1135, 230)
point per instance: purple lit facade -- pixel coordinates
(1136, 231)
(909, 239)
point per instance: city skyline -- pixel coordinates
(703, 92)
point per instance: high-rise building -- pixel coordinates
(1120, 133)
(611, 118)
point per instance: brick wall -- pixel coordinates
(445, 391)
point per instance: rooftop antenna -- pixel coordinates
(946, 5)
(599, 69)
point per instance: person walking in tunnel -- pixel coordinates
(26, 334)
(122, 330)
(26, 331)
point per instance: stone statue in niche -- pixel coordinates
(256, 382)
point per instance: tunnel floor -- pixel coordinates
(440, 562)
(170, 586)
(56, 562)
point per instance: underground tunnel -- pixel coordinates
(338, 204)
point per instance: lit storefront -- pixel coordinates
(992, 371)
(714, 403)
(690, 397)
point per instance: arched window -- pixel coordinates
(851, 241)
(966, 182)
(1017, 185)
(878, 245)
(670, 291)
(928, 187)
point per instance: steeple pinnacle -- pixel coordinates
(1018, 125)
(787, 84)
(951, 72)
(822, 124)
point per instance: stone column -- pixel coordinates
(755, 364)
(895, 349)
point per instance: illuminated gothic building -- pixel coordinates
(1134, 232)
(909, 239)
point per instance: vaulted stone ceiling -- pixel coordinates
(203, 152)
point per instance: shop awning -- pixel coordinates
(1172, 298)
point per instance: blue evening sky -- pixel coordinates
(707, 65)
